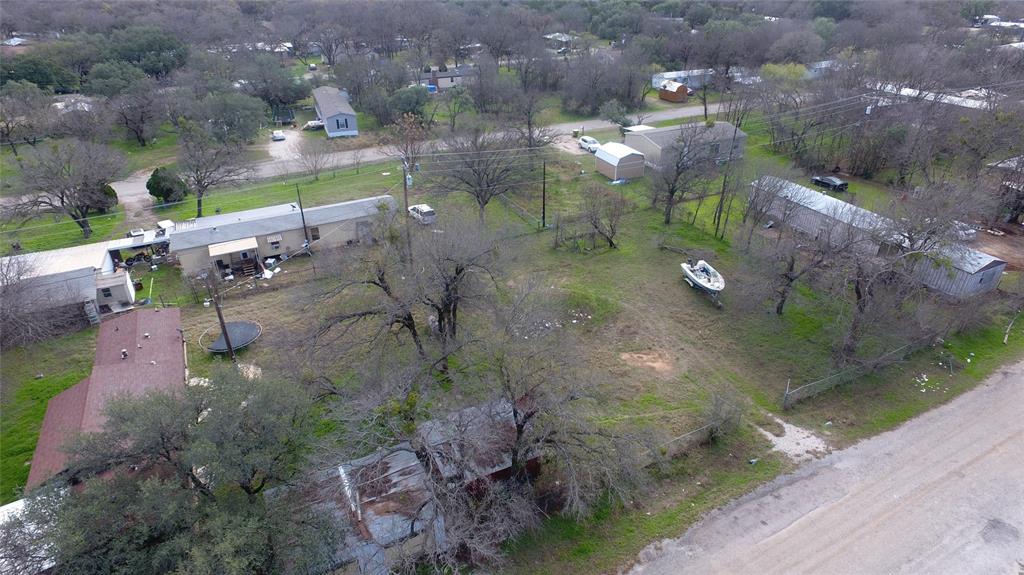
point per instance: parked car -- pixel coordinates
(313, 125)
(312, 68)
(423, 214)
(589, 144)
(830, 182)
(277, 136)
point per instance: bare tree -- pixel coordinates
(23, 111)
(139, 110)
(315, 154)
(392, 296)
(204, 162)
(685, 165)
(27, 310)
(480, 164)
(69, 178)
(456, 101)
(603, 210)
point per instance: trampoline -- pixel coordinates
(242, 334)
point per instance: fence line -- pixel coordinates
(791, 396)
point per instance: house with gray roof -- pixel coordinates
(720, 142)
(335, 111)
(952, 269)
(240, 242)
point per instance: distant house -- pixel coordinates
(672, 91)
(693, 79)
(80, 281)
(334, 110)
(446, 78)
(954, 270)
(720, 140)
(135, 353)
(560, 40)
(619, 161)
(238, 242)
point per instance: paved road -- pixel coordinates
(943, 494)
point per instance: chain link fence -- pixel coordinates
(794, 395)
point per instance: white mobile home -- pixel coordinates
(81, 279)
(239, 242)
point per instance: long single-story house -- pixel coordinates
(619, 161)
(954, 270)
(441, 80)
(334, 110)
(135, 353)
(78, 280)
(720, 140)
(238, 242)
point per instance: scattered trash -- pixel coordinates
(39, 376)
(828, 423)
(752, 461)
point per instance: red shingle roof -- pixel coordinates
(153, 362)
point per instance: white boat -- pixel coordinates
(702, 276)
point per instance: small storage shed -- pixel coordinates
(672, 91)
(619, 161)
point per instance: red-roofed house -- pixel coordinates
(135, 353)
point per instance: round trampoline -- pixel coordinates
(242, 334)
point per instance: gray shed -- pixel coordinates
(335, 111)
(721, 141)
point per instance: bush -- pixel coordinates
(166, 186)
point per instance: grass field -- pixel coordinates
(31, 376)
(160, 151)
(664, 348)
(336, 186)
(46, 233)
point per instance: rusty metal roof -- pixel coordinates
(470, 443)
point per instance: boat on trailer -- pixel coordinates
(704, 277)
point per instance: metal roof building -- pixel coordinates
(955, 270)
(271, 231)
(619, 161)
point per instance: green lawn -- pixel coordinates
(332, 187)
(160, 151)
(10, 173)
(45, 233)
(61, 362)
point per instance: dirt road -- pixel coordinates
(944, 493)
(137, 202)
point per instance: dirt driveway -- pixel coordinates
(941, 494)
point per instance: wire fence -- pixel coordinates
(794, 395)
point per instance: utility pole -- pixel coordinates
(405, 195)
(305, 230)
(211, 287)
(544, 195)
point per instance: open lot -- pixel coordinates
(664, 347)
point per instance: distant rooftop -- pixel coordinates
(331, 101)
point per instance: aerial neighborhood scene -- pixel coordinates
(511, 286)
